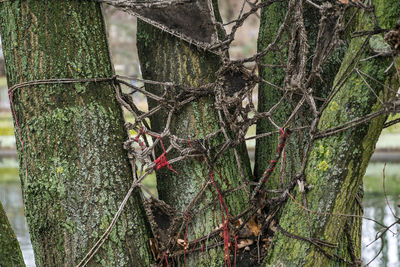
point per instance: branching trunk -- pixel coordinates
(74, 171)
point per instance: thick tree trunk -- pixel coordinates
(74, 171)
(271, 19)
(337, 163)
(10, 252)
(165, 58)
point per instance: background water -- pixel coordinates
(11, 198)
(375, 207)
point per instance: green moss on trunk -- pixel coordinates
(10, 252)
(271, 19)
(77, 170)
(337, 163)
(165, 58)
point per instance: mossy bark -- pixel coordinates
(77, 170)
(165, 58)
(10, 252)
(337, 163)
(271, 19)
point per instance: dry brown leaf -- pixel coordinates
(244, 243)
(254, 226)
(238, 223)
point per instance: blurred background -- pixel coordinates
(122, 35)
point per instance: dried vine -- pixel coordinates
(234, 114)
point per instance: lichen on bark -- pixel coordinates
(337, 163)
(165, 58)
(10, 252)
(73, 134)
(272, 69)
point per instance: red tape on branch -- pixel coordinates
(141, 144)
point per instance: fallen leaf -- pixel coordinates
(244, 243)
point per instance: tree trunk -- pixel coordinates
(74, 171)
(271, 19)
(10, 252)
(337, 163)
(168, 59)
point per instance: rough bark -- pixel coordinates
(10, 252)
(337, 163)
(271, 19)
(165, 58)
(77, 170)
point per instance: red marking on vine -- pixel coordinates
(161, 161)
(162, 259)
(224, 179)
(141, 144)
(194, 246)
(225, 220)
(225, 228)
(196, 158)
(234, 262)
(273, 163)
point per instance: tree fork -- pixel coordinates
(73, 169)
